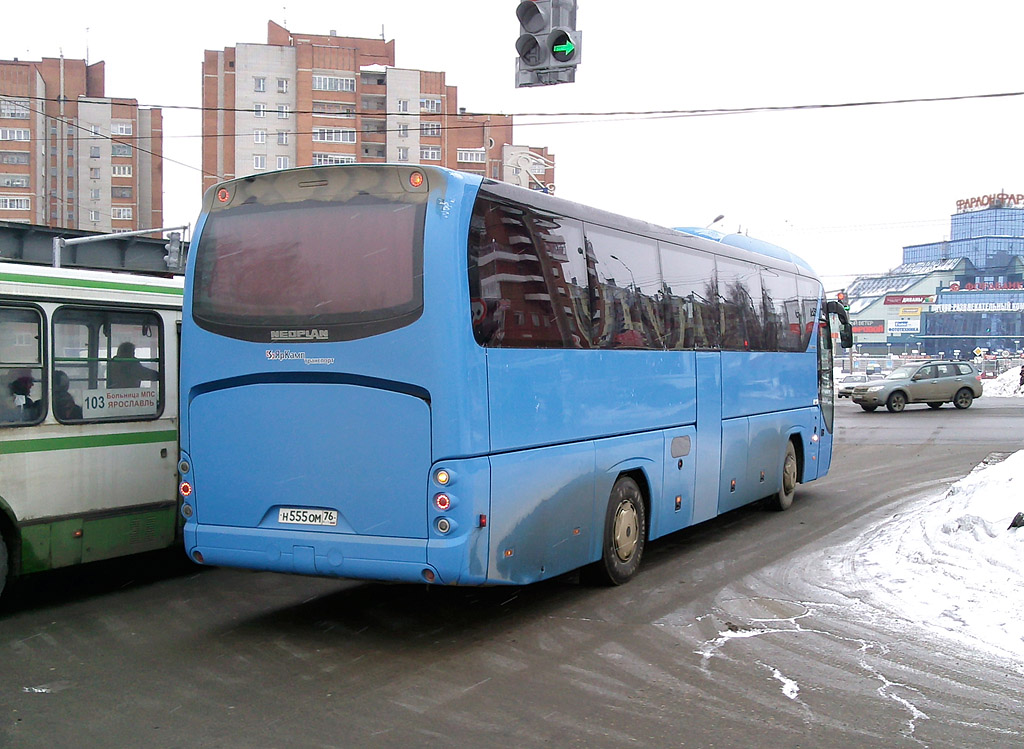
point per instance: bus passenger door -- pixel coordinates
(707, 453)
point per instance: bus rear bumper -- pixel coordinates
(312, 553)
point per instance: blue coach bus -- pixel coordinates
(414, 374)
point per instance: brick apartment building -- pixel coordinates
(306, 99)
(71, 157)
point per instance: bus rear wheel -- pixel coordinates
(783, 498)
(625, 531)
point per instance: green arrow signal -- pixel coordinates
(567, 48)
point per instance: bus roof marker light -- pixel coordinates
(416, 179)
(223, 195)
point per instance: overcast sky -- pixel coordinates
(844, 188)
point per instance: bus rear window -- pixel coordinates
(345, 268)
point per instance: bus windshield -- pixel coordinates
(348, 262)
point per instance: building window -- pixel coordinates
(283, 162)
(94, 152)
(13, 180)
(121, 170)
(282, 137)
(120, 149)
(430, 153)
(403, 131)
(259, 136)
(430, 105)
(403, 105)
(471, 156)
(333, 135)
(333, 83)
(259, 110)
(94, 173)
(14, 157)
(282, 85)
(120, 192)
(94, 216)
(14, 133)
(94, 194)
(284, 111)
(259, 161)
(403, 153)
(332, 109)
(14, 109)
(121, 214)
(430, 129)
(15, 204)
(326, 159)
(121, 128)
(259, 84)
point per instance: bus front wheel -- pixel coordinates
(625, 530)
(783, 498)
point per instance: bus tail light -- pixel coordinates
(442, 502)
(185, 489)
(443, 525)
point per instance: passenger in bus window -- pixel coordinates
(18, 405)
(64, 406)
(125, 371)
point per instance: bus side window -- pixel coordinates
(109, 365)
(22, 398)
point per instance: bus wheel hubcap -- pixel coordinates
(624, 530)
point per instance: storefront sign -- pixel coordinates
(1009, 286)
(910, 311)
(903, 325)
(926, 299)
(980, 307)
(995, 200)
(863, 327)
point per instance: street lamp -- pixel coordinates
(718, 218)
(631, 278)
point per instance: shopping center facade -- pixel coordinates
(953, 298)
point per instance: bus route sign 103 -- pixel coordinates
(116, 403)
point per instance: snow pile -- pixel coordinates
(952, 563)
(1005, 385)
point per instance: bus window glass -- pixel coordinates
(21, 370)
(527, 278)
(628, 311)
(352, 267)
(107, 365)
(689, 307)
(810, 291)
(781, 311)
(739, 287)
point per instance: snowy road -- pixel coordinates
(810, 628)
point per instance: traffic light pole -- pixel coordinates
(59, 243)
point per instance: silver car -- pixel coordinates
(931, 382)
(848, 383)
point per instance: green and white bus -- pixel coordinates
(88, 416)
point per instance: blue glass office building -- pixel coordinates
(955, 296)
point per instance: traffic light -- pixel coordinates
(841, 298)
(173, 247)
(548, 43)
